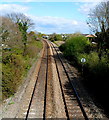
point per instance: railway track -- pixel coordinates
(41, 102)
(73, 106)
(38, 100)
(33, 104)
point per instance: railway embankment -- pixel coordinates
(54, 90)
(11, 100)
(94, 69)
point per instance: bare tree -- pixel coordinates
(21, 18)
(99, 23)
(10, 33)
(99, 17)
(24, 24)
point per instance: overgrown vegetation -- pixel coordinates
(55, 37)
(98, 22)
(15, 64)
(95, 69)
(23, 23)
(74, 46)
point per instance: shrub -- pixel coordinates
(99, 68)
(12, 74)
(33, 47)
(15, 66)
(91, 59)
(74, 46)
(55, 37)
(95, 70)
(78, 47)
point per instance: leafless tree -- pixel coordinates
(24, 24)
(9, 32)
(20, 18)
(99, 24)
(99, 17)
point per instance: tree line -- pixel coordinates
(98, 22)
(14, 29)
(20, 49)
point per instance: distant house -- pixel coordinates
(91, 37)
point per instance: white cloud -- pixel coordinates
(53, 20)
(88, 5)
(8, 8)
(85, 8)
(48, 24)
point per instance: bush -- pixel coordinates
(99, 69)
(91, 58)
(78, 47)
(15, 67)
(74, 46)
(12, 74)
(95, 71)
(33, 47)
(55, 37)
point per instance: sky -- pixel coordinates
(61, 16)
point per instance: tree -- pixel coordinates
(55, 37)
(10, 33)
(99, 23)
(99, 17)
(24, 24)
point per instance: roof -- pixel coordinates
(90, 36)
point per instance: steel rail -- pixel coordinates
(66, 110)
(30, 103)
(75, 92)
(44, 114)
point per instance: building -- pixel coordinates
(91, 37)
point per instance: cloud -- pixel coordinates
(86, 7)
(8, 8)
(48, 24)
(53, 20)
